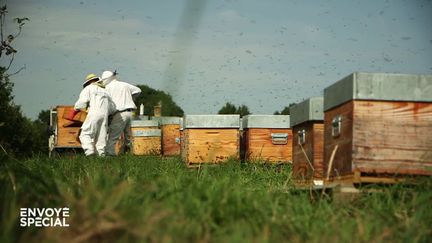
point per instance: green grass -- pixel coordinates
(152, 199)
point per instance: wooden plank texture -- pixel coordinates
(301, 168)
(313, 149)
(62, 112)
(342, 160)
(392, 137)
(318, 149)
(170, 133)
(67, 131)
(381, 138)
(146, 145)
(259, 145)
(210, 145)
(68, 137)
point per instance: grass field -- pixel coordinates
(159, 200)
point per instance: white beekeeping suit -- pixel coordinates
(94, 131)
(121, 93)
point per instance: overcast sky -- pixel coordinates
(264, 54)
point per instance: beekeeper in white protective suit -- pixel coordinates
(94, 131)
(121, 93)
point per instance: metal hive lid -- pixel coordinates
(144, 118)
(308, 110)
(266, 121)
(211, 121)
(144, 123)
(379, 86)
(167, 120)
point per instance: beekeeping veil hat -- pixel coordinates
(89, 78)
(108, 76)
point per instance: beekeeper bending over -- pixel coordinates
(121, 93)
(100, 105)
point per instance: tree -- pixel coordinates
(243, 110)
(151, 97)
(229, 108)
(285, 110)
(6, 49)
(17, 133)
(41, 131)
(44, 117)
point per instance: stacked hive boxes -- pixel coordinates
(170, 128)
(378, 124)
(210, 138)
(267, 138)
(146, 137)
(68, 131)
(308, 132)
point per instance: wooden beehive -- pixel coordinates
(308, 140)
(267, 138)
(67, 132)
(380, 123)
(210, 138)
(170, 127)
(146, 137)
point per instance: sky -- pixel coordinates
(263, 54)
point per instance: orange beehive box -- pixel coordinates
(170, 127)
(308, 140)
(378, 124)
(146, 137)
(210, 138)
(267, 138)
(67, 132)
(65, 136)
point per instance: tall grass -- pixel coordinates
(159, 200)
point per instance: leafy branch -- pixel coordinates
(6, 48)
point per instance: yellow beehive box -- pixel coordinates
(146, 137)
(210, 138)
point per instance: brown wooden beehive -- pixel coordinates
(170, 127)
(210, 138)
(308, 138)
(67, 132)
(146, 137)
(267, 138)
(381, 125)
